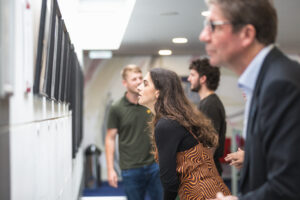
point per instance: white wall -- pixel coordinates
(35, 133)
(40, 152)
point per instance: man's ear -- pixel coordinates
(202, 79)
(156, 94)
(248, 35)
(124, 83)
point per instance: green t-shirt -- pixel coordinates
(131, 120)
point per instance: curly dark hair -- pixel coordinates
(212, 74)
(173, 104)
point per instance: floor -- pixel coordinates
(103, 198)
(105, 192)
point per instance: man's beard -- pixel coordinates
(196, 88)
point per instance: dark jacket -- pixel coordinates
(271, 168)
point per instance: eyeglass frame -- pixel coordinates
(212, 24)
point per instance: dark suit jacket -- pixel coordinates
(271, 168)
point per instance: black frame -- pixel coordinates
(65, 66)
(56, 79)
(56, 53)
(42, 49)
(76, 102)
(62, 62)
(46, 88)
(71, 63)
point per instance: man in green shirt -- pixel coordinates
(127, 118)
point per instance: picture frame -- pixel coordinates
(81, 93)
(56, 52)
(71, 64)
(73, 85)
(42, 46)
(76, 102)
(59, 59)
(46, 87)
(64, 52)
(58, 74)
(65, 68)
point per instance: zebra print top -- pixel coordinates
(174, 142)
(198, 175)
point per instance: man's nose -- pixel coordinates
(139, 87)
(204, 35)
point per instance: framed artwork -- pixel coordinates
(74, 111)
(76, 103)
(58, 74)
(46, 87)
(59, 58)
(51, 51)
(81, 89)
(65, 68)
(56, 51)
(71, 64)
(63, 58)
(42, 48)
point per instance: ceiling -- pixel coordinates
(154, 23)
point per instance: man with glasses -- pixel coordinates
(240, 35)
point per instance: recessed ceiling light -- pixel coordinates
(165, 52)
(100, 54)
(180, 40)
(205, 13)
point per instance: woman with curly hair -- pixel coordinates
(184, 139)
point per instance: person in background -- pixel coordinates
(184, 139)
(240, 35)
(128, 119)
(204, 80)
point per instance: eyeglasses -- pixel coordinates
(212, 24)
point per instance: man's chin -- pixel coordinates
(194, 89)
(214, 62)
(135, 92)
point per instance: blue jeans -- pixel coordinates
(138, 181)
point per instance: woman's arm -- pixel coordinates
(168, 134)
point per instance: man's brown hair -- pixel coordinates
(259, 13)
(130, 68)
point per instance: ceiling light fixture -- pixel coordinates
(97, 24)
(180, 40)
(100, 54)
(165, 52)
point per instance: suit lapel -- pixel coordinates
(253, 114)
